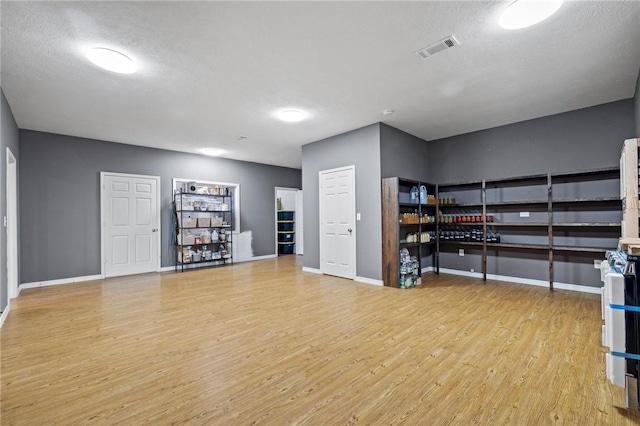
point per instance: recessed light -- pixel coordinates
(387, 112)
(524, 13)
(241, 138)
(213, 152)
(111, 60)
(291, 115)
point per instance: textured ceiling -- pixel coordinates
(213, 71)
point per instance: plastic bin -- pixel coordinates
(285, 215)
(286, 237)
(286, 226)
(285, 248)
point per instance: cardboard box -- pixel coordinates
(186, 240)
(630, 223)
(187, 222)
(204, 222)
(629, 174)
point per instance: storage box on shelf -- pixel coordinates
(204, 220)
(630, 187)
(408, 230)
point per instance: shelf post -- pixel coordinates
(550, 228)
(484, 230)
(437, 254)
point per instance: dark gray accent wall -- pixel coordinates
(8, 139)
(361, 148)
(60, 198)
(576, 140)
(402, 154)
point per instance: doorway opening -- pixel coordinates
(289, 230)
(12, 225)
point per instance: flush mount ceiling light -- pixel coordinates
(212, 152)
(291, 115)
(111, 60)
(524, 13)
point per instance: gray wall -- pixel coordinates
(576, 140)
(637, 105)
(402, 154)
(8, 139)
(361, 148)
(60, 198)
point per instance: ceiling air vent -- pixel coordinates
(437, 47)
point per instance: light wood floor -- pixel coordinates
(264, 343)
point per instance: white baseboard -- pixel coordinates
(428, 269)
(251, 259)
(59, 282)
(203, 265)
(461, 273)
(527, 281)
(369, 281)
(358, 279)
(5, 313)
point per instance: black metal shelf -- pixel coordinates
(517, 203)
(405, 244)
(193, 194)
(465, 243)
(208, 227)
(588, 200)
(517, 180)
(587, 225)
(203, 244)
(518, 224)
(225, 259)
(416, 205)
(453, 206)
(519, 246)
(597, 173)
(180, 215)
(581, 249)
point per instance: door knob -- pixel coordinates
(154, 230)
(349, 230)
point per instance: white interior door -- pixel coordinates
(131, 224)
(12, 225)
(337, 222)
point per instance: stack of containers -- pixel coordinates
(286, 232)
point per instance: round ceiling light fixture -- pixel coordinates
(524, 13)
(111, 60)
(291, 115)
(212, 152)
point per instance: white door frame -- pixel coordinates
(103, 216)
(275, 207)
(12, 226)
(320, 205)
